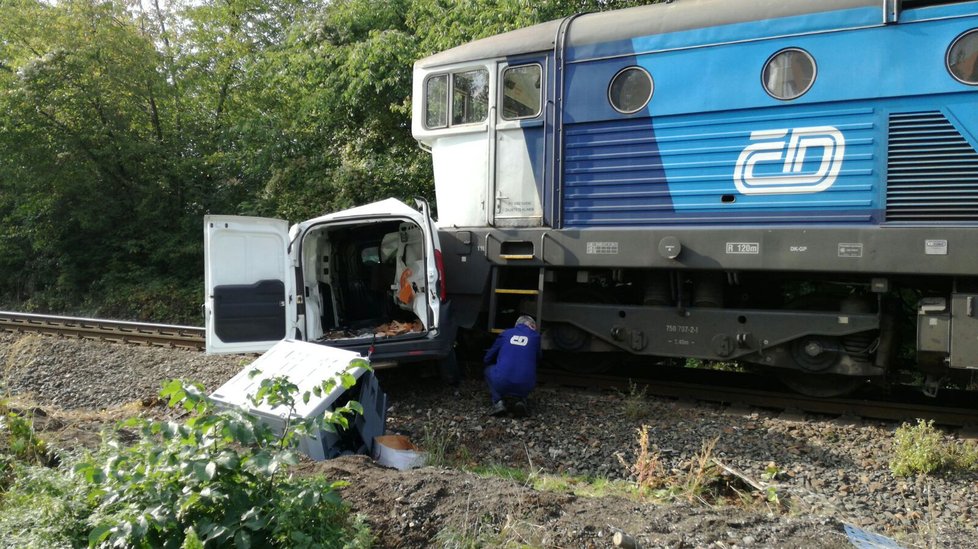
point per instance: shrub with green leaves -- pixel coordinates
(919, 448)
(18, 439)
(219, 479)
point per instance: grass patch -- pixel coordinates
(489, 532)
(635, 402)
(43, 508)
(444, 450)
(582, 486)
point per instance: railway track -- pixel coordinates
(900, 404)
(139, 333)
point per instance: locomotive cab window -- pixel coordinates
(468, 92)
(521, 92)
(436, 102)
(962, 58)
(788, 74)
(470, 97)
(630, 90)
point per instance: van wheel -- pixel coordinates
(448, 369)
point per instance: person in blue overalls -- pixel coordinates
(511, 367)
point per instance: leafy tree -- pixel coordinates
(123, 122)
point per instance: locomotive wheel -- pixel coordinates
(815, 353)
(819, 385)
(571, 340)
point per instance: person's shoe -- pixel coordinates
(498, 409)
(519, 409)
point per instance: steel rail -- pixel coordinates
(702, 385)
(139, 333)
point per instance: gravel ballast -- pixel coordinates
(828, 470)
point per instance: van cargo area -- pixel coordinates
(365, 281)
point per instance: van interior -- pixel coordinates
(365, 281)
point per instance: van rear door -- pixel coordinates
(249, 283)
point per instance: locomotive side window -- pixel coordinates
(788, 74)
(521, 92)
(630, 90)
(436, 102)
(470, 96)
(962, 58)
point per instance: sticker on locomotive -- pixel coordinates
(602, 248)
(849, 249)
(935, 247)
(743, 248)
(788, 149)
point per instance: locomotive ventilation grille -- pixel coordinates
(932, 171)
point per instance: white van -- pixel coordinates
(369, 279)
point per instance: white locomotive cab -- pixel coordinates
(453, 117)
(367, 274)
(249, 285)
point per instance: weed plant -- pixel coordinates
(18, 439)
(700, 479)
(636, 404)
(922, 449)
(649, 472)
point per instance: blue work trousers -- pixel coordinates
(500, 387)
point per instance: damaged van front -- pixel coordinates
(369, 279)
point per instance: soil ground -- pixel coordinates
(451, 508)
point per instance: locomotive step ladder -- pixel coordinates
(510, 287)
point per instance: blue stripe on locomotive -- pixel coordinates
(675, 161)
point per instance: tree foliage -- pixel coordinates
(123, 122)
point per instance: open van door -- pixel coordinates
(389, 254)
(248, 283)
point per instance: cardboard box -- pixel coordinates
(398, 451)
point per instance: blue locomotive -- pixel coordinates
(792, 184)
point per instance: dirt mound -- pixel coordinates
(435, 506)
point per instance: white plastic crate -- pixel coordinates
(308, 365)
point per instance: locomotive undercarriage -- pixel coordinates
(826, 332)
(692, 318)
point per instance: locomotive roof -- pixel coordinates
(628, 23)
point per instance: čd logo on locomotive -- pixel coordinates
(789, 148)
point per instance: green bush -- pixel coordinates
(18, 439)
(923, 449)
(219, 479)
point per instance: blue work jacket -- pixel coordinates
(515, 354)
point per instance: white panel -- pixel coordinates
(305, 364)
(517, 196)
(256, 257)
(461, 166)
